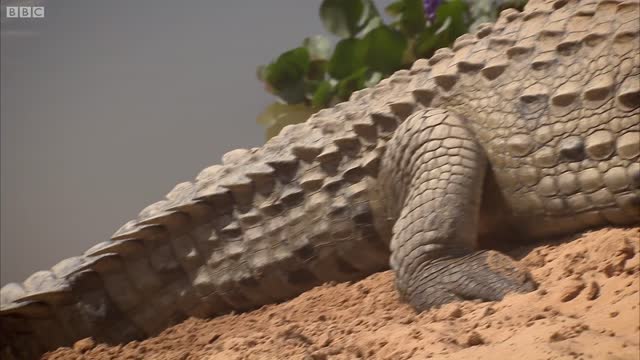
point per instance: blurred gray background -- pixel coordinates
(106, 105)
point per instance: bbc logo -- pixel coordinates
(25, 11)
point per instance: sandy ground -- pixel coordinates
(587, 307)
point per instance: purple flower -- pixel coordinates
(430, 7)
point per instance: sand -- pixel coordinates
(587, 306)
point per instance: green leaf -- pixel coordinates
(432, 39)
(319, 47)
(343, 17)
(317, 70)
(288, 68)
(286, 74)
(276, 116)
(444, 26)
(412, 19)
(425, 44)
(451, 20)
(293, 94)
(457, 13)
(395, 8)
(372, 18)
(373, 23)
(348, 56)
(322, 95)
(353, 82)
(385, 49)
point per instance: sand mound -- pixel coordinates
(587, 307)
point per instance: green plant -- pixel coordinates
(312, 76)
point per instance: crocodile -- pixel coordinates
(526, 129)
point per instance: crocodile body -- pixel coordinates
(526, 129)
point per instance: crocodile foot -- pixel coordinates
(486, 275)
(436, 232)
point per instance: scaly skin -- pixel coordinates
(527, 129)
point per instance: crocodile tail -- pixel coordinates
(118, 290)
(231, 240)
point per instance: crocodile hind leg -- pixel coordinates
(433, 172)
